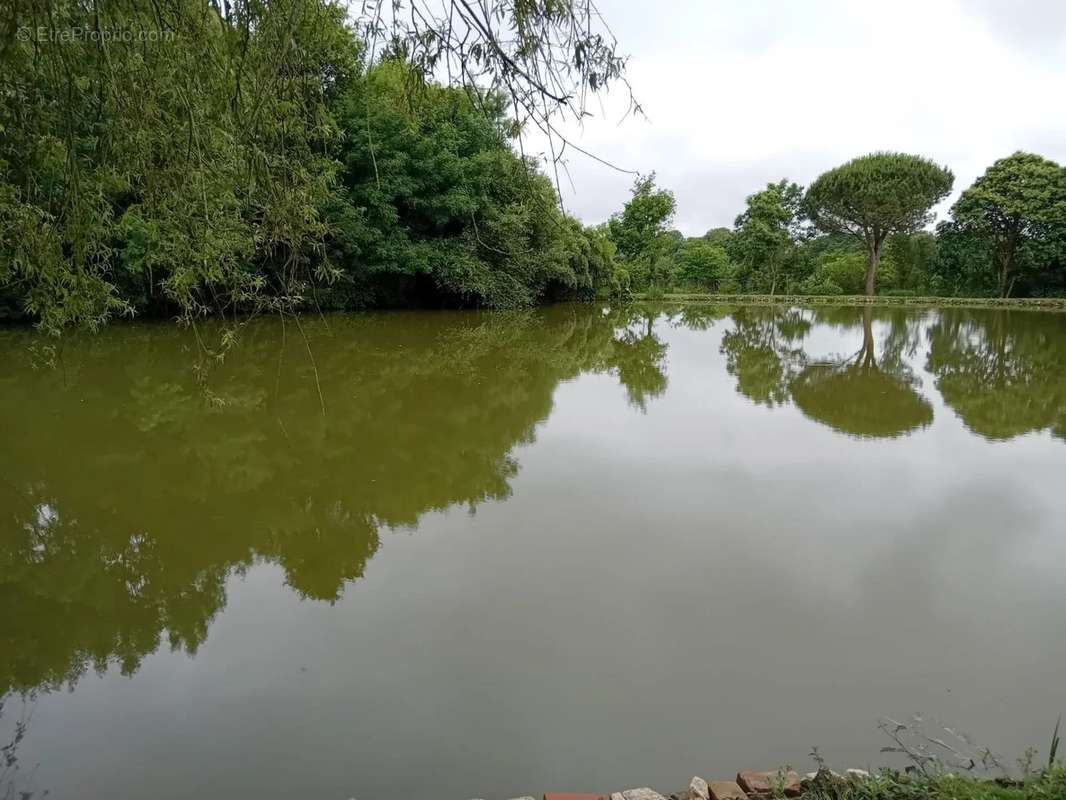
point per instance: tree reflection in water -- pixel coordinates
(133, 494)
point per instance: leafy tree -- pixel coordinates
(1020, 199)
(549, 57)
(913, 255)
(963, 265)
(874, 196)
(706, 265)
(190, 167)
(183, 174)
(844, 271)
(434, 203)
(767, 233)
(720, 236)
(639, 232)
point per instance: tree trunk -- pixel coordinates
(1004, 273)
(871, 269)
(1006, 261)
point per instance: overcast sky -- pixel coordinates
(737, 94)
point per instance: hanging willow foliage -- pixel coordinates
(179, 155)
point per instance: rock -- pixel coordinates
(571, 796)
(726, 790)
(810, 776)
(640, 794)
(765, 783)
(861, 774)
(698, 789)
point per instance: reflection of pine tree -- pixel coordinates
(860, 394)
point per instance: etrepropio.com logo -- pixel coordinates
(76, 35)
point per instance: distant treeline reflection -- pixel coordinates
(133, 488)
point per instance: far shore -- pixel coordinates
(1022, 303)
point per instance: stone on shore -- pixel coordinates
(638, 794)
(698, 789)
(765, 783)
(861, 774)
(726, 790)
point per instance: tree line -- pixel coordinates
(861, 228)
(277, 157)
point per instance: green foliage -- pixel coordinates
(641, 237)
(245, 161)
(846, 270)
(1018, 204)
(767, 236)
(877, 194)
(874, 196)
(913, 255)
(720, 236)
(963, 265)
(434, 201)
(183, 165)
(254, 159)
(894, 786)
(705, 265)
(642, 224)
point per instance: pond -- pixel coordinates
(463, 554)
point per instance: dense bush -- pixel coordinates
(250, 161)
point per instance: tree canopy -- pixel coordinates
(246, 157)
(1018, 201)
(768, 232)
(233, 158)
(876, 195)
(640, 234)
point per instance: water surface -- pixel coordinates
(485, 555)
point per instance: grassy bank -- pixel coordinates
(1049, 786)
(1033, 303)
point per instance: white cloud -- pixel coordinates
(738, 95)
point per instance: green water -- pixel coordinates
(484, 555)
